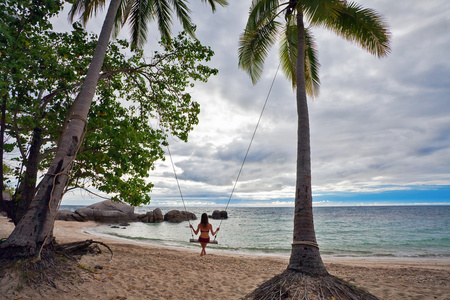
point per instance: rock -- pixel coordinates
(121, 213)
(108, 212)
(153, 216)
(217, 214)
(143, 218)
(80, 217)
(68, 215)
(158, 215)
(65, 215)
(176, 216)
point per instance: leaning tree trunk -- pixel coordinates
(2, 137)
(27, 188)
(305, 256)
(35, 229)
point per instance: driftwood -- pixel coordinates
(78, 249)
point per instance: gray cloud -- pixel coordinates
(378, 122)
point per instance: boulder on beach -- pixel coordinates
(108, 212)
(104, 212)
(217, 214)
(68, 215)
(153, 216)
(176, 216)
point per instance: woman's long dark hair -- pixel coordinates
(204, 220)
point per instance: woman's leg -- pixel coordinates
(203, 249)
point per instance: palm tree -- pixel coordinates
(298, 56)
(35, 230)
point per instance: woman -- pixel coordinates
(204, 227)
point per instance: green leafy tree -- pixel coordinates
(120, 145)
(298, 56)
(33, 233)
(20, 42)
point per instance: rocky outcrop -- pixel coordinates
(153, 216)
(104, 212)
(176, 216)
(121, 213)
(68, 215)
(217, 214)
(108, 212)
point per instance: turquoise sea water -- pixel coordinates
(401, 231)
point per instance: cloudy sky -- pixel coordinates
(379, 129)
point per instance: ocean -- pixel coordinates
(389, 231)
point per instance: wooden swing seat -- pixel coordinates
(196, 241)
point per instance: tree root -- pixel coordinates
(51, 271)
(77, 249)
(296, 285)
(43, 273)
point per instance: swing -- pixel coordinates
(210, 242)
(193, 240)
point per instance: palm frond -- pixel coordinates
(288, 58)
(254, 46)
(86, 9)
(288, 51)
(122, 16)
(258, 37)
(312, 65)
(183, 12)
(316, 11)
(212, 3)
(138, 12)
(263, 10)
(144, 11)
(362, 26)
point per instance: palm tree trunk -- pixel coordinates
(305, 256)
(35, 229)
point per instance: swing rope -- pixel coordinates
(250, 144)
(179, 187)
(243, 161)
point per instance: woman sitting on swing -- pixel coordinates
(204, 227)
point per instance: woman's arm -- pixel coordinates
(195, 231)
(212, 231)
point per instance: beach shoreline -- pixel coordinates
(143, 271)
(263, 254)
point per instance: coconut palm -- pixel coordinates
(268, 21)
(35, 229)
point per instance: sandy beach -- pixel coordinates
(141, 271)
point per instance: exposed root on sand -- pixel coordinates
(296, 285)
(77, 249)
(58, 268)
(51, 272)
